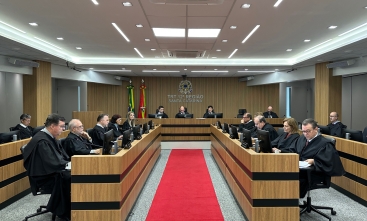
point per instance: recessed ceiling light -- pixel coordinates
(215, 69)
(276, 69)
(137, 51)
(139, 25)
(235, 50)
(233, 27)
(209, 71)
(33, 24)
(277, 3)
(318, 45)
(123, 68)
(95, 2)
(246, 69)
(127, 4)
(307, 40)
(158, 71)
(333, 27)
(154, 69)
(218, 50)
(114, 70)
(353, 29)
(258, 71)
(224, 40)
(169, 32)
(147, 39)
(251, 33)
(214, 57)
(289, 49)
(91, 68)
(153, 49)
(122, 33)
(203, 33)
(245, 6)
(60, 39)
(185, 69)
(12, 27)
(365, 7)
(79, 48)
(47, 42)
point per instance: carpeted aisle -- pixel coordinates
(186, 191)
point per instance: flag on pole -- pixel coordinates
(130, 90)
(142, 105)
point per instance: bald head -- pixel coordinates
(333, 117)
(270, 109)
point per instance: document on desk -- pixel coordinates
(303, 164)
(68, 166)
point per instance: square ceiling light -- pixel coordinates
(203, 33)
(169, 32)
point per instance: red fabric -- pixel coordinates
(142, 113)
(186, 191)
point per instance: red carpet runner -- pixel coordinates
(186, 191)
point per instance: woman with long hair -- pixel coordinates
(290, 135)
(130, 121)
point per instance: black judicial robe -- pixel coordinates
(272, 114)
(249, 126)
(98, 135)
(179, 113)
(45, 161)
(326, 159)
(116, 131)
(164, 115)
(126, 126)
(272, 133)
(207, 113)
(336, 129)
(77, 145)
(284, 143)
(24, 133)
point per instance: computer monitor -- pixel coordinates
(150, 123)
(264, 141)
(219, 125)
(155, 115)
(355, 135)
(185, 116)
(247, 141)
(108, 139)
(234, 134)
(126, 142)
(225, 128)
(37, 129)
(215, 115)
(8, 136)
(324, 129)
(145, 128)
(136, 132)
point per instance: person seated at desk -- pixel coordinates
(290, 135)
(318, 151)
(161, 111)
(270, 113)
(45, 161)
(335, 126)
(209, 111)
(246, 123)
(78, 141)
(130, 121)
(261, 124)
(25, 131)
(100, 129)
(114, 125)
(182, 110)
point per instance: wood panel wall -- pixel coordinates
(227, 95)
(88, 118)
(328, 93)
(37, 93)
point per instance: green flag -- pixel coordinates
(130, 90)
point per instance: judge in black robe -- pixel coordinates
(285, 141)
(130, 121)
(261, 124)
(98, 135)
(270, 114)
(77, 145)
(182, 111)
(45, 161)
(24, 131)
(246, 123)
(336, 129)
(160, 111)
(115, 126)
(209, 111)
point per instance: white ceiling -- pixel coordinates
(83, 24)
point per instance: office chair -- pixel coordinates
(280, 131)
(241, 112)
(90, 131)
(62, 141)
(11, 128)
(320, 181)
(365, 135)
(36, 190)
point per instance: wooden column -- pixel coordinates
(328, 93)
(37, 93)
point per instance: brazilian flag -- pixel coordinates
(130, 90)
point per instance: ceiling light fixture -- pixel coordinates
(214, 57)
(277, 3)
(251, 33)
(153, 49)
(95, 2)
(318, 45)
(79, 48)
(33, 24)
(224, 40)
(139, 25)
(114, 70)
(203, 33)
(91, 68)
(332, 27)
(127, 4)
(137, 51)
(246, 69)
(353, 29)
(257, 71)
(185, 69)
(12, 27)
(245, 6)
(235, 50)
(289, 49)
(307, 40)
(153, 71)
(122, 33)
(60, 38)
(169, 32)
(47, 43)
(209, 71)
(147, 39)
(218, 50)
(215, 69)
(233, 27)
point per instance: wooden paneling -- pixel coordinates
(88, 118)
(13, 189)
(227, 95)
(37, 93)
(328, 93)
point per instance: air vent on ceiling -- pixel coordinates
(248, 78)
(340, 64)
(188, 2)
(21, 62)
(185, 54)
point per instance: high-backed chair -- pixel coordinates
(365, 135)
(241, 112)
(89, 131)
(317, 181)
(11, 128)
(280, 131)
(37, 190)
(62, 141)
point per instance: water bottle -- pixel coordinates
(257, 145)
(141, 131)
(15, 137)
(132, 137)
(241, 137)
(152, 124)
(148, 128)
(347, 136)
(115, 147)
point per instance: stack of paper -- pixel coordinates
(303, 164)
